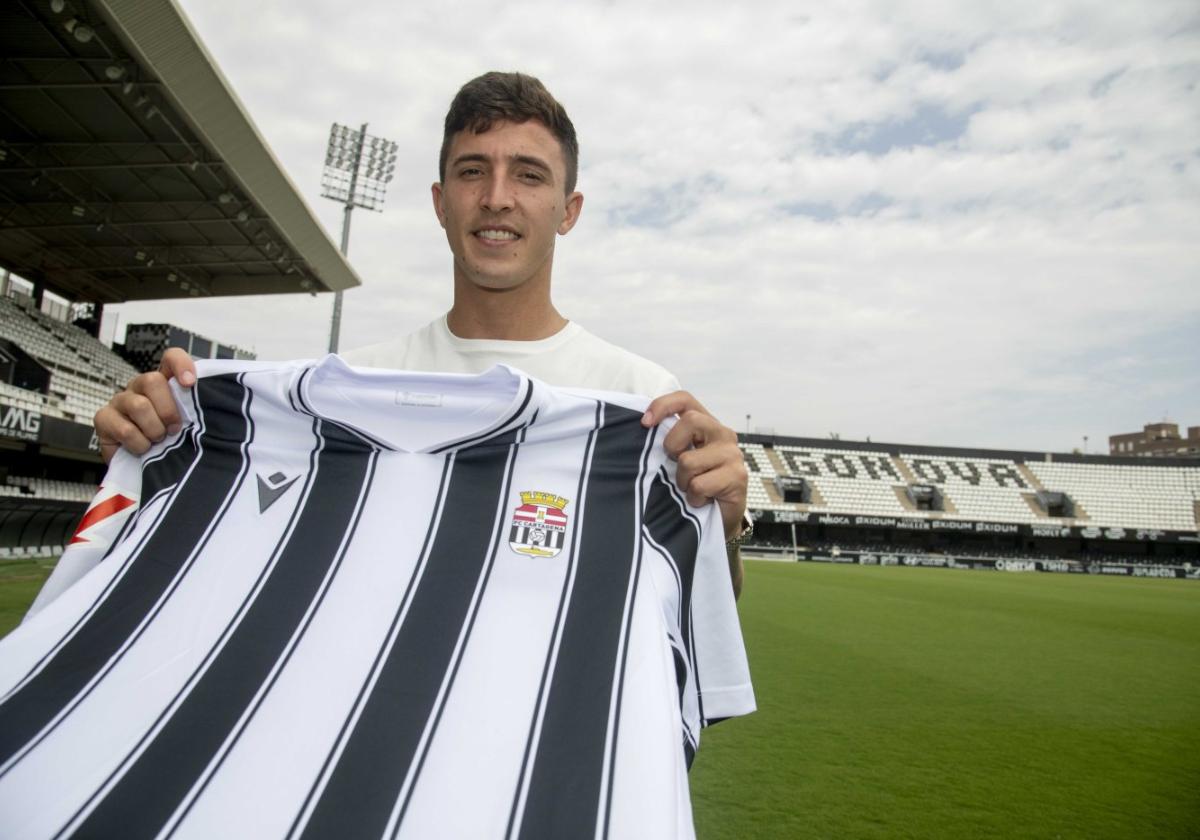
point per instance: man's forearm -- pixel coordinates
(736, 571)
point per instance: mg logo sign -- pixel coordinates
(20, 422)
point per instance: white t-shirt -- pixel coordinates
(366, 603)
(571, 358)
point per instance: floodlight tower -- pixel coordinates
(358, 167)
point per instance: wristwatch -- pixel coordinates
(744, 534)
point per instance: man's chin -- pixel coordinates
(497, 285)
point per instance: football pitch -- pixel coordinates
(898, 703)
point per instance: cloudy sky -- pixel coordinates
(963, 223)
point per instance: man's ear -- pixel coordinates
(436, 192)
(571, 211)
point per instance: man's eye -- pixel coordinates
(465, 173)
(532, 177)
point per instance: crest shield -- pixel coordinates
(539, 525)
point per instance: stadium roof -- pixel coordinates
(129, 169)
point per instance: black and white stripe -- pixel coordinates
(564, 787)
(367, 779)
(159, 562)
(371, 658)
(535, 727)
(673, 530)
(167, 469)
(172, 763)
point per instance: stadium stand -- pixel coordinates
(941, 505)
(84, 373)
(974, 487)
(129, 170)
(46, 488)
(1135, 496)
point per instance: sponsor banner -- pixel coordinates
(20, 423)
(876, 521)
(968, 526)
(26, 424)
(1015, 565)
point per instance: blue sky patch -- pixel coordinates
(928, 125)
(662, 207)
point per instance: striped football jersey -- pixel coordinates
(359, 603)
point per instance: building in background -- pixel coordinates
(1157, 439)
(145, 344)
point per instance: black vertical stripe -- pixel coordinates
(565, 780)
(614, 736)
(678, 534)
(164, 471)
(684, 567)
(568, 579)
(131, 601)
(366, 780)
(145, 797)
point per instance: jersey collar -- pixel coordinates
(367, 402)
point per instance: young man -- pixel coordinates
(507, 170)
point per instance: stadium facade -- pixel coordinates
(846, 501)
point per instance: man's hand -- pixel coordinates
(144, 413)
(711, 466)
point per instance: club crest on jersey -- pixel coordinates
(539, 526)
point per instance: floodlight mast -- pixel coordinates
(340, 181)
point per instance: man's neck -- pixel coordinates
(503, 316)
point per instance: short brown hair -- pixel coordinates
(517, 98)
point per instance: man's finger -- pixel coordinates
(723, 484)
(694, 462)
(696, 428)
(155, 388)
(676, 402)
(139, 410)
(114, 431)
(712, 472)
(177, 364)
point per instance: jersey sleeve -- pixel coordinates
(704, 619)
(723, 672)
(98, 529)
(120, 496)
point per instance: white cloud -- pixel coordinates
(1004, 287)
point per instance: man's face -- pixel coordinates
(502, 204)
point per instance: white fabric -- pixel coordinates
(680, 663)
(571, 358)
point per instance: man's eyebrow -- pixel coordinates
(474, 157)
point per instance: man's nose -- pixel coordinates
(497, 194)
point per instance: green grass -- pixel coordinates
(20, 581)
(898, 702)
(932, 703)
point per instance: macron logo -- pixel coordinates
(271, 488)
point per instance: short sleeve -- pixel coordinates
(98, 529)
(703, 617)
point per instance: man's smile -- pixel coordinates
(497, 234)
